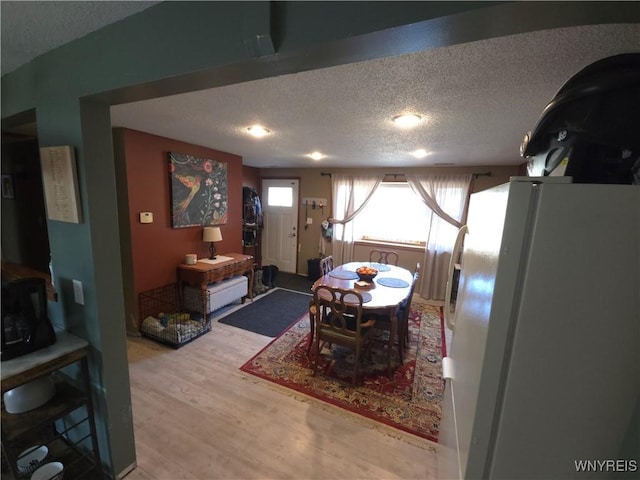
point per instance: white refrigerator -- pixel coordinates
(543, 370)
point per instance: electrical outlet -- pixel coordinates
(309, 220)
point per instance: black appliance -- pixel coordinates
(592, 125)
(25, 324)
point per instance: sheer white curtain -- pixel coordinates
(446, 196)
(350, 195)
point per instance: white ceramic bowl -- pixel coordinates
(49, 471)
(31, 458)
(30, 395)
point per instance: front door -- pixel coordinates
(280, 233)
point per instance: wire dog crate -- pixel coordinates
(170, 318)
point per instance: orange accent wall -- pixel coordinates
(157, 249)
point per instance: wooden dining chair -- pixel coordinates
(339, 320)
(405, 306)
(383, 322)
(326, 265)
(388, 257)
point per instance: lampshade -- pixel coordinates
(211, 234)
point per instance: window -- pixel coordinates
(280, 197)
(396, 214)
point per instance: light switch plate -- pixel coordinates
(78, 294)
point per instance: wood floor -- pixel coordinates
(197, 416)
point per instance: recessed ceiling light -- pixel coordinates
(420, 153)
(316, 155)
(407, 120)
(258, 131)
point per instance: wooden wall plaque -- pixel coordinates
(60, 180)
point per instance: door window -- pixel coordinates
(280, 196)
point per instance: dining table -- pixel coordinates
(382, 295)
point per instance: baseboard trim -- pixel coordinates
(127, 470)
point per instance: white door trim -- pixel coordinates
(280, 235)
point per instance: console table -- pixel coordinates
(203, 273)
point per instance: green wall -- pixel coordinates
(175, 47)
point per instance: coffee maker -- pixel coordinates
(25, 323)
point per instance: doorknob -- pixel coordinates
(291, 235)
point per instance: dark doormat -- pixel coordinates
(270, 314)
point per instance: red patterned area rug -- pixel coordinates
(410, 400)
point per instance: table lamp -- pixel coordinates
(211, 235)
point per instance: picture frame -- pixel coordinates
(7, 186)
(198, 191)
(60, 183)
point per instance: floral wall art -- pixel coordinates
(198, 191)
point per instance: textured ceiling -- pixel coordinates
(30, 28)
(478, 98)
